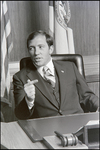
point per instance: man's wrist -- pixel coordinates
(98, 109)
(29, 103)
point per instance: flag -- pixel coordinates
(6, 47)
(51, 18)
(63, 35)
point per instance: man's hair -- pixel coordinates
(49, 39)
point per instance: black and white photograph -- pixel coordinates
(49, 75)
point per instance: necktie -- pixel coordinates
(48, 76)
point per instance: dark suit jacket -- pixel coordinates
(73, 92)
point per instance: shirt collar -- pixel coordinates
(50, 65)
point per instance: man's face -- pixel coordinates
(39, 51)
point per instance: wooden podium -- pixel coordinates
(88, 134)
(13, 136)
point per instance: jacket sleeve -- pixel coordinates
(88, 100)
(21, 108)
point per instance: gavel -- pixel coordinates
(68, 140)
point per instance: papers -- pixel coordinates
(93, 122)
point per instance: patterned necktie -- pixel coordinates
(48, 76)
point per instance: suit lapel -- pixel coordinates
(40, 85)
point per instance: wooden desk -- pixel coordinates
(13, 137)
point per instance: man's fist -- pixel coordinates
(29, 89)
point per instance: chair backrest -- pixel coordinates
(76, 58)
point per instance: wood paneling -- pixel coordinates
(94, 86)
(27, 16)
(85, 24)
(21, 24)
(91, 65)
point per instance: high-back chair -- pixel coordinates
(76, 58)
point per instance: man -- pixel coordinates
(35, 96)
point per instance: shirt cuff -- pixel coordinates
(98, 109)
(30, 104)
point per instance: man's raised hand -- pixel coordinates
(29, 89)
